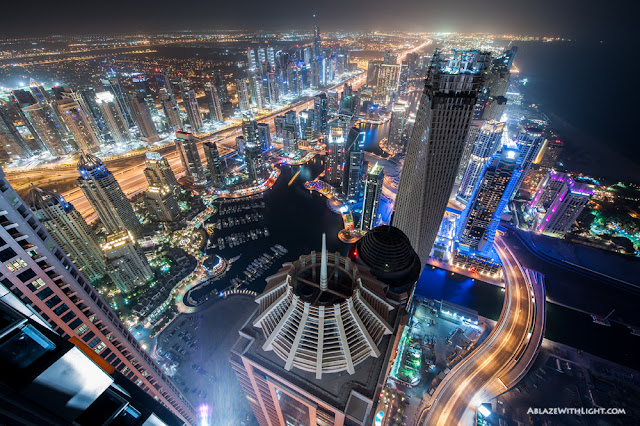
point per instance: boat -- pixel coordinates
(599, 320)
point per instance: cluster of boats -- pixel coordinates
(237, 208)
(235, 221)
(259, 266)
(239, 238)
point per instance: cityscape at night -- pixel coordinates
(298, 218)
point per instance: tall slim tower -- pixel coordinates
(485, 146)
(333, 163)
(481, 217)
(69, 230)
(435, 148)
(113, 117)
(255, 163)
(105, 196)
(190, 102)
(530, 141)
(372, 192)
(171, 109)
(213, 101)
(188, 151)
(397, 123)
(158, 171)
(112, 84)
(353, 166)
(79, 125)
(242, 89)
(126, 265)
(214, 164)
(42, 276)
(142, 116)
(45, 123)
(321, 112)
(264, 136)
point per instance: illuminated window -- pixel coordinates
(83, 329)
(16, 265)
(38, 283)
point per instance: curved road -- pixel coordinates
(458, 397)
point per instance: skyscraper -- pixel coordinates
(257, 93)
(272, 84)
(113, 117)
(69, 230)
(481, 217)
(158, 171)
(13, 144)
(321, 112)
(333, 163)
(530, 141)
(161, 203)
(171, 109)
(557, 203)
(249, 128)
(188, 151)
(387, 84)
(213, 101)
(256, 168)
(46, 125)
(305, 124)
(373, 67)
(318, 348)
(214, 164)
(485, 146)
(353, 166)
(78, 124)
(552, 151)
(264, 136)
(105, 196)
(399, 113)
(242, 89)
(496, 85)
(142, 117)
(190, 102)
(435, 148)
(112, 84)
(372, 191)
(42, 276)
(126, 266)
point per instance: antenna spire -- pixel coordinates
(323, 264)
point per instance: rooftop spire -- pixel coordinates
(323, 264)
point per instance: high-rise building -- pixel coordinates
(163, 82)
(113, 117)
(387, 84)
(36, 271)
(353, 165)
(557, 203)
(390, 58)
(51, 380)
(213, 101)
(530, 141)
(69, 230)
(13, 144)
(257, 92)
(142, 117)
(487, 142)
(318, 348)
(190, 102)
(249, 128)
(256, 168)
(552, 151)
(158, 171)
(171, 109)
(272, 84)
(481, 217)
(112, 84)
(214, 165)
(334, 160)
(321, 112)
(397, 123)
(317, 40)
(105, 195)
(305, 124)
(127, 267)
(242, 89)
(188, 150)
(373, 67)
(161, 203)
(79, 125)
(435, 148)
(372, 192)
(47, 126)
(290, 137)
(264, 136)
(496, 85)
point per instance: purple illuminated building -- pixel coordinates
(558, 202)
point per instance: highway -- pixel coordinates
(457, 397)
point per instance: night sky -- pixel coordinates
(568, 18)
